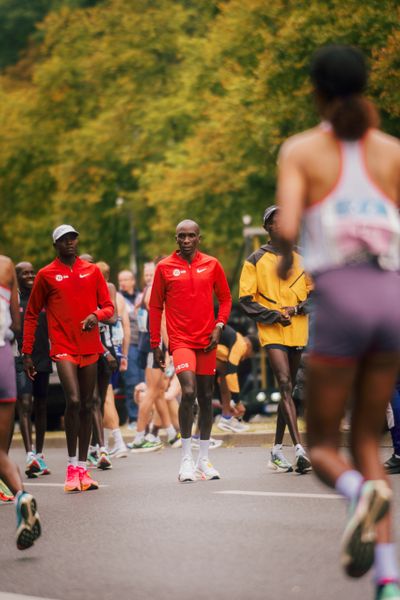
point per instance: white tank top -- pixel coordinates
(355, 222)
(5, 316)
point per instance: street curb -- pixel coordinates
(231, 440)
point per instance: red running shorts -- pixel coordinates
(195, 360)
(80, 360)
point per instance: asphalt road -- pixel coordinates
(252, 535)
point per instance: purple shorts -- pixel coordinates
(8, 383)
(356, 312)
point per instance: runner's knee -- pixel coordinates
(188, 394)
(87, 405)
(284, 381)
(25, 404)
(73, 402)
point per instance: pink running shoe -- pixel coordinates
(87, 483)
(72, 480)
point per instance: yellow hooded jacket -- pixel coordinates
(262, 295)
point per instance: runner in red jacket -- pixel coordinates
(71, 290)
(185, 283)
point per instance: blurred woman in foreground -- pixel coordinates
(342, 181)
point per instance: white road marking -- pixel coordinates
(280, 494)
(53, 485)
(7, 596)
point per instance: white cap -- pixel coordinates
(62, 230)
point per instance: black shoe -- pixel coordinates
(303, 464)
(392, 465)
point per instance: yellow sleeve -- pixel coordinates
(248, 281)
(309, 284)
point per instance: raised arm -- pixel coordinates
(14, 305)
(291, 197)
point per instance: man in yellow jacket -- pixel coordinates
(279, 309)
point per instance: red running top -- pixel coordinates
(187, 291)
(69, 295)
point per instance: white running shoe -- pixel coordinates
(206, 471)
(119, 451)
(232, 424)
(278, 462)
(213, 443)
(104, 461)
(359, 538)
(187, 473)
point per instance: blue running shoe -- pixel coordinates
(28, 523)
(44, 469)
(359, 536)
(388, 591)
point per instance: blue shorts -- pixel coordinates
(37, 388)
(356, 312)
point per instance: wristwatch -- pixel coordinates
(221, 325)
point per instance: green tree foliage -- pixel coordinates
(178, 107)
(18, 21)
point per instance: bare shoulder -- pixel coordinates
(386, 141)
(295, 146)
(6, 264)
(7, 272)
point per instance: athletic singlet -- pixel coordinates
(356, 222)
(5, 316)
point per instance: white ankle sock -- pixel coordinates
(117, 436)
(73, 460)
(276, 448)
(107, 435)
(348, 484)
(203, 449)
(82, 464)
(186, 447)
(171, 432)
(385, 563)
(139, 437)
(299, 450)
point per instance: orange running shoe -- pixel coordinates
(6, 494)
(87, 483)
(72, 480)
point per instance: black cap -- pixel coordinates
(269, 212)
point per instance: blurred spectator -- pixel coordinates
(134, 374)
(32, 394)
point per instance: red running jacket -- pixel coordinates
(187, 291)
(69, 295)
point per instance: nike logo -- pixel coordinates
(83, 275)
(201, 270)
